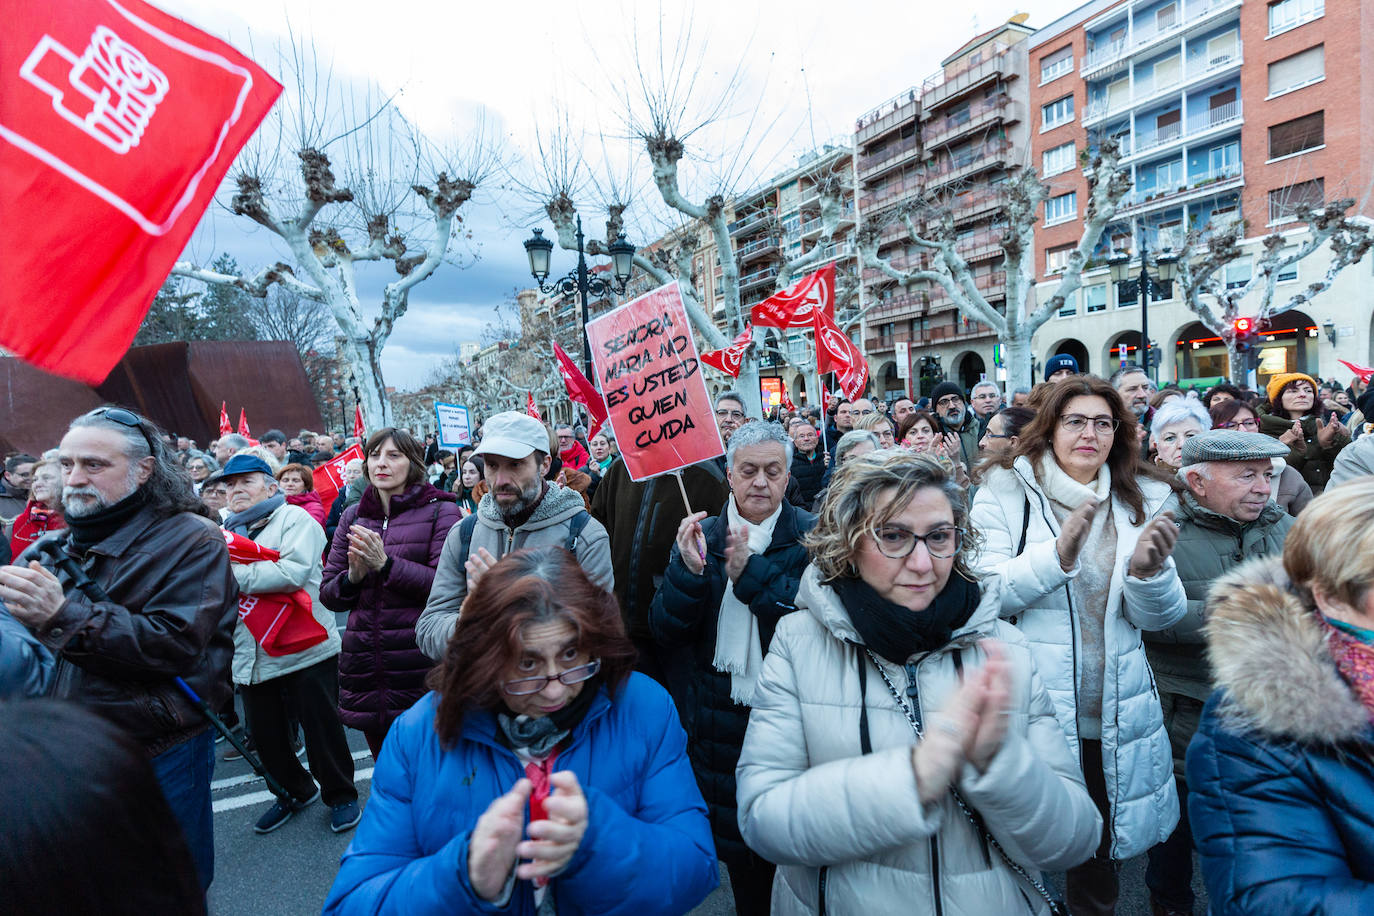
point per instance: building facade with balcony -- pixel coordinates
(1223, 111)
(944, 147)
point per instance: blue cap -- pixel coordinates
(244, 464)
(1060, 361)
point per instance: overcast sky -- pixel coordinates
(805, 70)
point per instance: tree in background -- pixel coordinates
(212, 313)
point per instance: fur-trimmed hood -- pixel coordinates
(1268, 651)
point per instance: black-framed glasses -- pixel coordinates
(898, 543)
(525, 686)
(998, 436)
(1076, 422)
(127, 418)
(730, 414)
(1252, 424)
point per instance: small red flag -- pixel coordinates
(329, 477)
(224, 427)
(581, 390)
(118, 124)
(358, 427)
(1364, 372)
(531, 409)
(787, 400)
(794, 306)
(730, 359)
(835, 352)
(243, 424)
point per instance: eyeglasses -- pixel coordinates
(898, 543)
(1251, 423)
(127, 418)
(1075, 423)
(862, 413)
(525, 686)
(949, 400)
(730, 414)
(998, 436)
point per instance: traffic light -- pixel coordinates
(1244, 329)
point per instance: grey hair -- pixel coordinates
(1130, 369)
(758, 434)
(731, 395)
(985, 383)
(233, 441)
(1021, 390)
(168, 488)
(852, 438)
(211, 464)
(1179, 410)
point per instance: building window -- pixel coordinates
(1056, 259)
(1070, 306)
(1061, 209)
(1284, 202)
(1224, 158)
(1055, 65)
(1237, 273)
(1056, 113)
(1289, 14)
(1289, 273)
(1057, 160)
(1297, 135)
(1298, 70)
(1095, 298)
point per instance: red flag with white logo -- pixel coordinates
(243, 423)
(358, 428)
(282, 622)
(224, 427)
(1363, 372)
(787, 400)
(117, 124)
(794, 306)
(730, 359)
(835, 352)
(531, 409)
(329, 477)
(581, 390)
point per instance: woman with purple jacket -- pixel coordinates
(380, 569)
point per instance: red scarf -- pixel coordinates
(1355, 661)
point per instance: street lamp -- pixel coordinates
(1329, 327)
(579, 280)
(1165, 266)
(343, 408)
(357, 398)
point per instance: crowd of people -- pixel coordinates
(956, 654)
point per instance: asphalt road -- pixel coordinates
(289, 872)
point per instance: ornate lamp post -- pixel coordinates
(357, 398)
(343, 409)
(1165, 266)
(579, 280)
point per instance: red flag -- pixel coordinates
(118, 124)
(329, 477)
(1364, 372)
(531, 409)
(787, 400)
(835, 352)
(794, 306)
(243, 423)
(281, 622)
(730, 359)
(358, 428)
(224, 427)
(581, 390)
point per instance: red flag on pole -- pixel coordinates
(730, 359)
(581, 390)
(224, 427)
(794, 306)
(787, 400)
(835, 352)
(1364, 372)
(358, 427)
(531, 409)
(243, 424)
(118, 124)
(329, 477)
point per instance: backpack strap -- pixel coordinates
(575, 526)
(465, 529)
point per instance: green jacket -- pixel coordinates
(1309, 458)
(1209, 546)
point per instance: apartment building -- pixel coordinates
(1224, 111)
(950, 142)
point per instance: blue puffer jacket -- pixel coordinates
(1281, 770)
(647, 848)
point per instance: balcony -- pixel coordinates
(980, 246)
(902, 305)
(903, 107)
(756, 249)
(1198, 125)
(813, 225)
(1147, 91)
(950, 82)
(752, 221)
(968, 161)
(1213, 182)
(757, 278)
(1197, 12)
(891, 193)
(879, 161)
(965, 329)
(992, 285)
(976, 203)
(944, 130)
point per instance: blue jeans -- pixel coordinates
(184, 773)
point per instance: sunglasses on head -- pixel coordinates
(127, 418)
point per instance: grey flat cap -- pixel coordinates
(1231, 445)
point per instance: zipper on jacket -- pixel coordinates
(913, 691)
(820, 890)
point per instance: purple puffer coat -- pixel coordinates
(381, 672)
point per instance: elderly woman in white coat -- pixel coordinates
(1069, 521)
(902, 754)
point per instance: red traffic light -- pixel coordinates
(1243, 325)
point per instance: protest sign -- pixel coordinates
(650, 375)
(329, 477)
(455, 430)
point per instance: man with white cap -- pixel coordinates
(521, 509)
(1225, 516)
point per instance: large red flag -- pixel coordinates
(794, 306)
(329, 477)
(243, 424)
(730, 359)
(581, 390)
(224, 427)
(117, 124)
(531, 409)
(835, 352)
(358, 427)
(281, 622)
(1363, 372)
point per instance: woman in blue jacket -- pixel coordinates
(1281, 770)
(540, 767)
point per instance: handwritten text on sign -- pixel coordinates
(647, 367)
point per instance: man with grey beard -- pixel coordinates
(521, 509)
(163, 607)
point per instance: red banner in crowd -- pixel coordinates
(117, 123)
(243, 423)
(530, 407)
(835, 352)
(1363, 372)
(329, 477)
(650, 373)
(794, 306)
(281, 622)
(581, 390)
(730, 359)
(787, 400)
(224, 427)
(358, 428)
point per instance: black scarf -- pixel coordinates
(897, 633)
(89, 530)
(515, 521)
(540, 736)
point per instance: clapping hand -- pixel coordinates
(494, 841)
(1156, 542)
(1329, 432)
(1074, 533)
(365, 552)
(691, 543)
(736, 552)
(971, 727)
(1293, 435)
(553, 841)
(478, 563)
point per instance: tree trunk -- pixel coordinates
(1016, 356)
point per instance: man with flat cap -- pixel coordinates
(1226, 516)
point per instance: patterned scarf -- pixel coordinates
(1354, 657)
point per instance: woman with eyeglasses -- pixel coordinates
(539, 775)
(902, 753)
(1293, 416)
(200, 466)
(1291, 492)
(1175, 422)
(1069, 521)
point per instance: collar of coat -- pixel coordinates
(1156, 492)
(480, 725)
(558, 505)
(370, 504)
(1268, 652)
(786, 532)
(1189, 509)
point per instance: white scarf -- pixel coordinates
(739, 651)
(1066, 491)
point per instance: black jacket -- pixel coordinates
(684, 616)
(172, 610)
(808, 472)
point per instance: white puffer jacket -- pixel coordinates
(1135, 747)
(846, 828)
